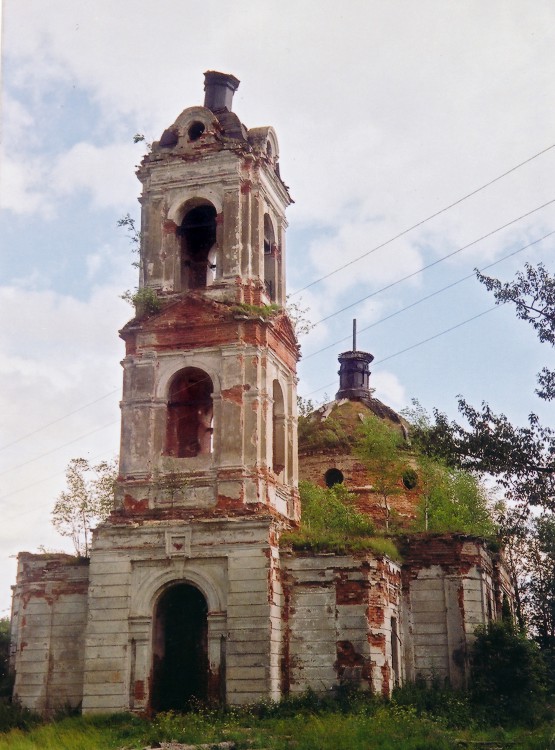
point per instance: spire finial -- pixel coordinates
(354, 334)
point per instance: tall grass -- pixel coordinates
(310, 723)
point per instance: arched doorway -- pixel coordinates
(180, 649)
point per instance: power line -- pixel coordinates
(419, 343)
(59, 419)
(422, 221)
(48, 453)
(33, 484)
(434, 263)
(429, 296)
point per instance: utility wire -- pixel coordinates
(48, 453)
(429, 296)
(434, 263)
(419, 343)
(59, 419)
(422, 221)
(33, 484)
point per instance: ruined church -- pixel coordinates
(188, 592)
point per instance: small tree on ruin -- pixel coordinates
(86, 502)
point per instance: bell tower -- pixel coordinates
(209, 373)
(185, 597)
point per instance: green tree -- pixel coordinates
(382, 449)
(453, 500)
(521, 458)
(88, 499)
(5, 680)
(508, 675)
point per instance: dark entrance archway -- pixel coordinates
(180, 649)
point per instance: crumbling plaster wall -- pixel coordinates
(233, 562)
(338, 619)
(242, 188)
(402, 503)
(451, 585)
(239, 468)
(49, 615)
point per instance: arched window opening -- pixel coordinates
(333, 476)
(189, 421)
(180, 649)
(278, 429)
(198, 247)
(270, 258)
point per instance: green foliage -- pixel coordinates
(453, 707)
(145, 300)
(331, 523)
(88, 499)
(357, 721)
(298, 315)
(452, 500)
(133, 234)
(533, 295)
(332, 510)
(508, 675)
(305, 407)
(5, 680)
(382, 448)
(256, 311)
(14, 717)
(328, 435)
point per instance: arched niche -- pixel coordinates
(189, 414)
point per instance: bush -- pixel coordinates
(5, 679)
(14, 716)
(508, 675)
(452, 708)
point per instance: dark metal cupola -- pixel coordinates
(354, 373)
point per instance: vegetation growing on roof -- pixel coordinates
(452, 500)
(320, 431)
(256, 311)
(331, 523)
(383, 450)
(145, 300)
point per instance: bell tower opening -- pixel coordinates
(198, 247)
(180, 649)
(270, 259)
(189, 418)
(278, 429)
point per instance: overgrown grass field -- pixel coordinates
(303, 724)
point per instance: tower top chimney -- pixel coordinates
(219, 89)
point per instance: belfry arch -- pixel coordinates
(197, 233)
(179, 648)
(271, 259)
(189, 415)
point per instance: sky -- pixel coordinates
(418, 141)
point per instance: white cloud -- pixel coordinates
(389, 389)
(22, 187)
(106, 173)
